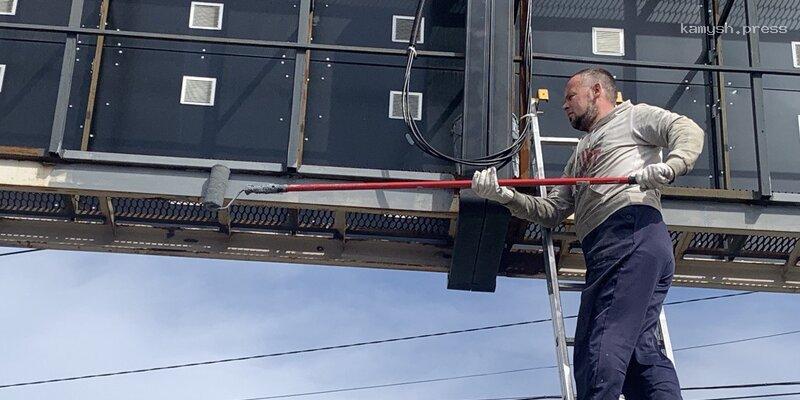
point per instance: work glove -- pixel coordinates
(655, 176)
(485, 185)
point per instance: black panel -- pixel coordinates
(139, 112)
(248, 19)
(28, 95)
(348, 122)
(369, 23)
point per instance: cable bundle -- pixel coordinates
(498, 159)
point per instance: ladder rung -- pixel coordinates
(564, 141)
(571, 286)
(570, 341)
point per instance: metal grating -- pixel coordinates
(198, 91)
(33, 203)
(796, 54)
(206, 16)
(160, 211)
(88, 206)
(703, 240)
(675, 237)
(402, 27)
(398, 225)
(258, 216)
(769, 244)
(307, 219)
(396, 105)
(608, 41)
(8, 7)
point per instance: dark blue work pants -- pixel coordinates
(630, 264)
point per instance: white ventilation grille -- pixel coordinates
(205, 15)
(796, 54)
(608, 41)
(396, 105)
(8, 7)
(402, 26)
(2, 76)
(198, 91)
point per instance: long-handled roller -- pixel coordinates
(213, 194)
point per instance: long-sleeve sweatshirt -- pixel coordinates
(629, 138)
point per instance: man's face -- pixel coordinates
(580, 104)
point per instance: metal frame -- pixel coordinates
(65, 83)
(302, 65)
(166, 161)
(222, 40)
(329, 171)
(757, 98)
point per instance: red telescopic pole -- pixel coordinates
(454, 184)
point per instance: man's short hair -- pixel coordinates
(600, 75)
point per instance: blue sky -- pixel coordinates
(72, 313)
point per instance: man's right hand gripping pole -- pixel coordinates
(485, 185)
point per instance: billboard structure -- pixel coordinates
(112, 113)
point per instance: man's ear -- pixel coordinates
(597, 90)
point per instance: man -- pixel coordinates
(626, 245)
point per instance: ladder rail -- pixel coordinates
(551, 271)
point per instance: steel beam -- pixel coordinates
(500, 74)
(164, 161)
(302, 64)
(731, 218)
(65, 81)
(476, 81)
(214, 244)
(96, 63)
(757, 98)
(339, 172)
(224, 40)
(118, 181)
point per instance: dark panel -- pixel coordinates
(249, 19)
(782, 117)
(652, 33)
(348, 122)
(48, 12)
(28, 96)
(139, 111)
(369, 23)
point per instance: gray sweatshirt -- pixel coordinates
(619, 144)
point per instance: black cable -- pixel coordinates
(499, 159)
(317, 349)
(20, 252)
(755, 396)
(738, 340)
(744, 385)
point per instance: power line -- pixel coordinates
(744, 385)
(19, 252)
(738, 340)
(394, 384)
(318, 349)
(405, 383)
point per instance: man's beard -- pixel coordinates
(584, 121)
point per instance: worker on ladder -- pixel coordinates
(626, 245)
